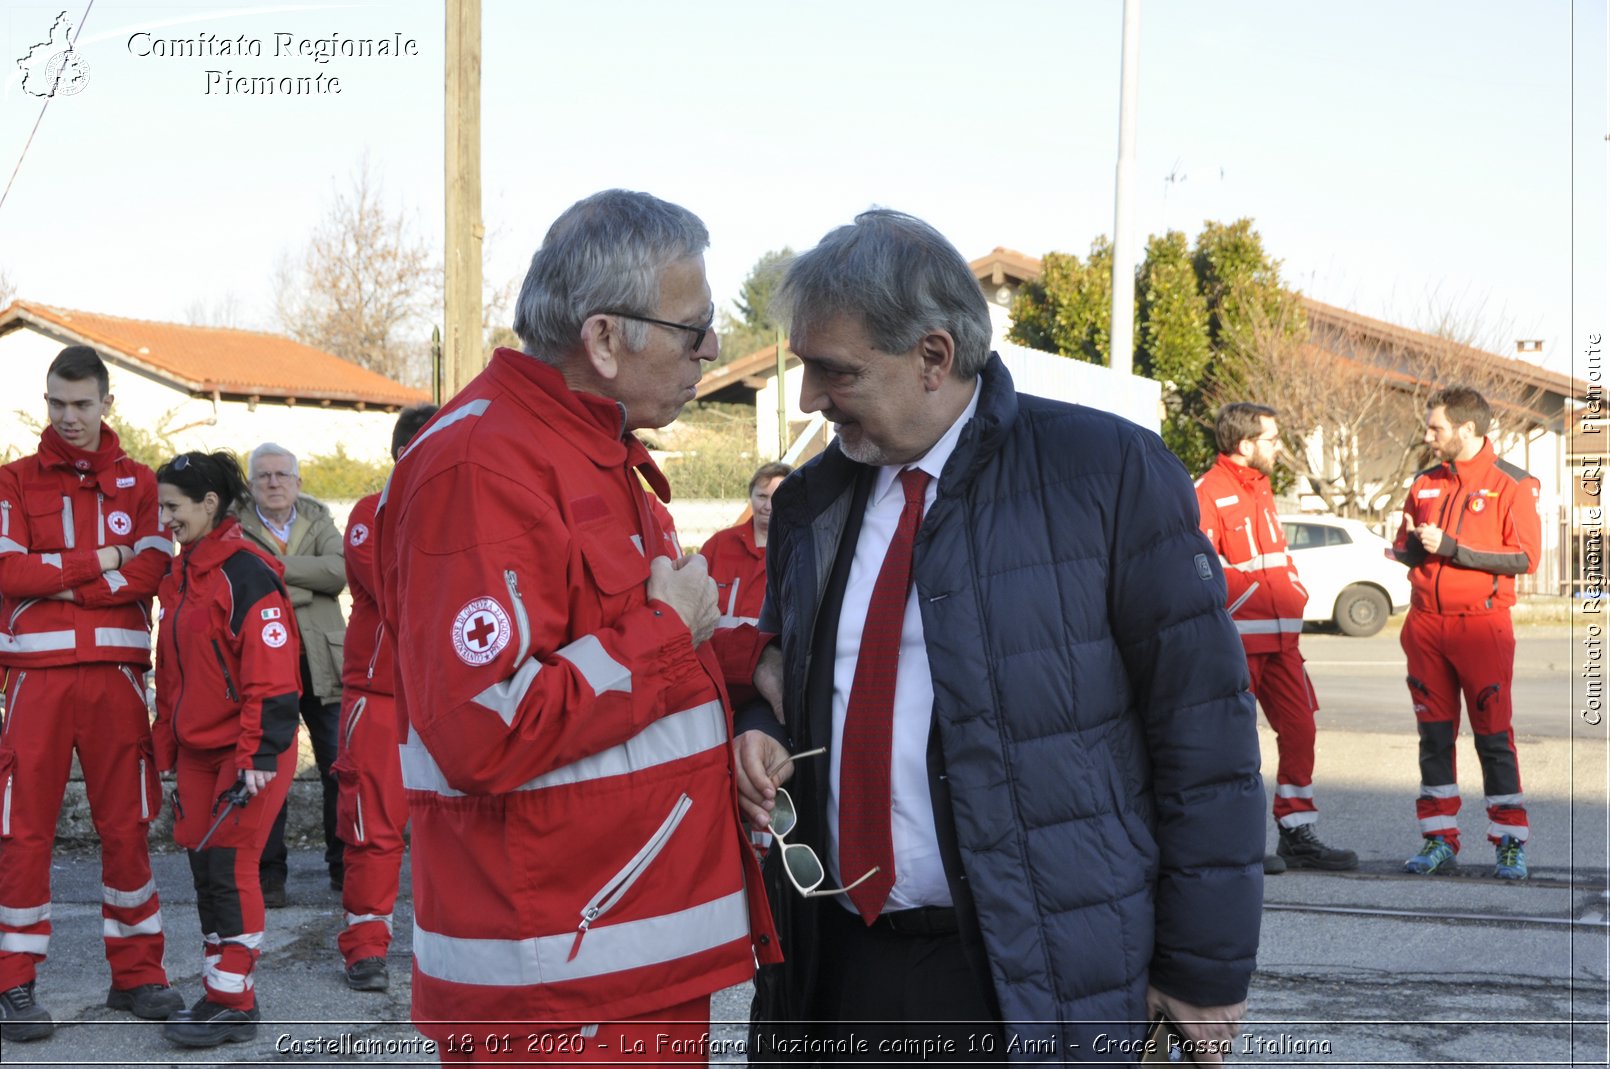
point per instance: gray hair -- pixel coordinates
(899, 277)
(271, 449)
(606, 251)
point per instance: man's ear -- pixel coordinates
(106, 402)
(938, 352)
(604, 345)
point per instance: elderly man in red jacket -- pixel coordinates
(1267, 601)
(577, 852)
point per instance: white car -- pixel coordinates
(1343, 565)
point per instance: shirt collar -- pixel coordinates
(284, 532)
(933, 461)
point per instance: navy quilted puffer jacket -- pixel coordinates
(1090, 695)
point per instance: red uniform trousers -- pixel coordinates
(1281, 685)
(371, 815)
(229, 897)
(677, 1035)
(99, 710)
(1473, 655)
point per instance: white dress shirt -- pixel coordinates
(919, 873)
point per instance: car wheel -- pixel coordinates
(1361, 611)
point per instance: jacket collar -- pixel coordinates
(1476, 465)
(1245, 475)
(221, 543)
(54, 452)
(593, 423)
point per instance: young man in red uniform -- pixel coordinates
(1266, 600)
(81, 553)
(577, 853)
(372, 810)
(1470, 526)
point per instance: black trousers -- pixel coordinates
(323, 724)
(901, 996)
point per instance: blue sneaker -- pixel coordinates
(1434, 856)
(1511, 859)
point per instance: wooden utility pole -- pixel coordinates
(1123, 230)
(463, 347)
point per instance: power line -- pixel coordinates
(72, 46)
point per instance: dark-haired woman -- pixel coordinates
(228, 679)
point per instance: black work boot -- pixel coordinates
(1302, 850)
(153, 1002)
(21, 1018)
(368, 974)
(207, 1024)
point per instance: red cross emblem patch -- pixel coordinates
(480, 631)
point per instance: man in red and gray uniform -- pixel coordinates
(1266, 602)
(81, 554)
(372, 810)
(1470, 526)
(577, 852)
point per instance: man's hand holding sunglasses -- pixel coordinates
(763, 766)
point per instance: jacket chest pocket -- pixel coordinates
(50, 519)
(618, 568)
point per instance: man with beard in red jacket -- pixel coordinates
(1266, 602)
(577, 852)
(1470, 526)
(81, 554)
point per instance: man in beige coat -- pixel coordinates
(300, 531)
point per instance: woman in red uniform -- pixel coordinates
(227, 687)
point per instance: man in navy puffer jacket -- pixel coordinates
(1001, 625)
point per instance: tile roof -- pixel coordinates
(761, 363)
(236, 363)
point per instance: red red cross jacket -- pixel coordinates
(1238, 517)
(228, 660)
(367, 658)
(739, 568)
(577, 849)
(58, 507)
(1487, 510)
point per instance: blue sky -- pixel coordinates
(1403, 160)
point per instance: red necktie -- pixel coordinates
(864, 837)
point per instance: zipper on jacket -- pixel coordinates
(229, 680)
(135, 683)
(178, 657)
(352, 725)
(5, 805)
(357, 801)
(1245, 594)
(612, 892)
(1442, 521)
(22, 607)
(520, 617)
(11, 705)
(374, 658)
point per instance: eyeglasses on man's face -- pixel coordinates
(698, 332)
(802, 865)
(269, 477)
